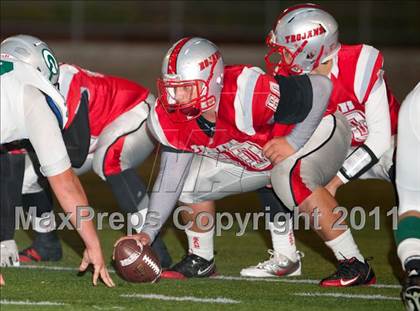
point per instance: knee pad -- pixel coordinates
(281, 184)
(269, 198)
(11, 179)
(41, 200)
(129, 191)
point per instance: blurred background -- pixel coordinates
(382, 23)
(129, 38)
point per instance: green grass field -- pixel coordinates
(56, 286)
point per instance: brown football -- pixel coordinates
(135, 262)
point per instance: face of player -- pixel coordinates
(185, 100)
(184, 94)
(287, 57)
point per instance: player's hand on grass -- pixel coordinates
(1, 280)
(94, 257)
(277, 149)
(142, 237)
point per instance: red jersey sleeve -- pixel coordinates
(265, 100)
(368, 67)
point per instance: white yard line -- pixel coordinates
(274, 280)
(219, 277)
(44, 267)
(350, 296)
(287, 280)
(30, 303)
(107, 308)
(221, 300)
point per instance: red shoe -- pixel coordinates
(29, 255)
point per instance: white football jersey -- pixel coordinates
(15, 75)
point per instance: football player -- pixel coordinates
(407, 235)
(33, 109)
(106, 132)
(232, 115)
(305, 39)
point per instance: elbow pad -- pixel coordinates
(77, 136)
(295, 99)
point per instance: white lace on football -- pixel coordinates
(152, 264)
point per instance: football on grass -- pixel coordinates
(135, 262)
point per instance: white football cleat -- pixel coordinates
(9, 255)
(277, 266)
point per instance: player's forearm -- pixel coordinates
(378, 119)
(168, 186)
(379, 137)
(71, 197)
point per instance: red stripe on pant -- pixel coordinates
(112, 160)
(299, 189)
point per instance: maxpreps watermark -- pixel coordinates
(355, 218)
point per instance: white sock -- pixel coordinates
(344, 246)
(283, 238)
(201, 243)
(408, 248)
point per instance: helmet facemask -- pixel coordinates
(185, 100)
(280, 60)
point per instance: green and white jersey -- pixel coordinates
(31, 108)
(15, 76)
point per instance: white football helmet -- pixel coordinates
(192, 78)
(34, 52)
(303, 37)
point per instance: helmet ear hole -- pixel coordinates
(22, 52)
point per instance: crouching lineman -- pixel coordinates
(407, 235)
(359, 92)
(106, 132)
(230, 113)
(33, 109)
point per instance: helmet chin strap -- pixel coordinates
(210, 115)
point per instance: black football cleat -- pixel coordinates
(191, 266)
(350, 272)
(410, 293)
(46, 247)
